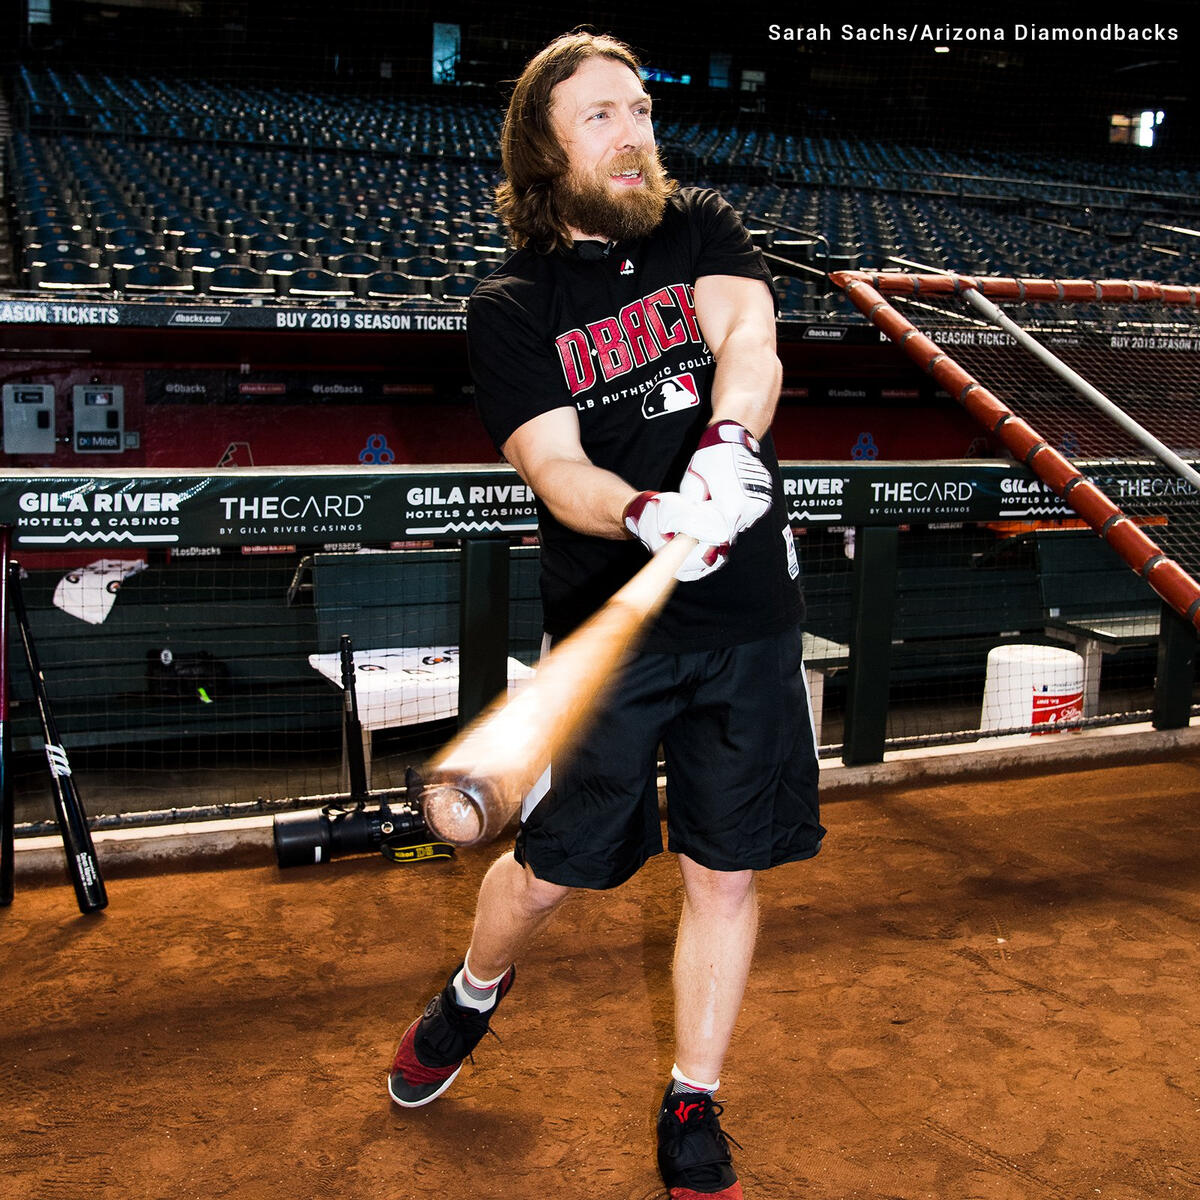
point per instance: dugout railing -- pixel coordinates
(886, 605)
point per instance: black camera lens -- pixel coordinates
(318, 834)
(302, 838)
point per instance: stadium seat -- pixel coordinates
(109, 220)
(243, 225)
(457, 287)
(194, 241)
(461, 253)
(265, 242)
(128, 257)
(357, 225)
(129, 236)
(38, 256)
(52, 231)
(492, 243)
(316, 284)
(69, 275)
(156, 277)
(210, 260)
(397, 251)
(429, 240)
(426, 266)
(354, 266)
(388, 285)
(328, 247)
(286, 262)
(238, 281)
(311, 228)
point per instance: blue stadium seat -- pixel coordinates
(388, 285)
(317, 284)
(328, 247)
(354, 266)
(61, 251)
(195, 241)
(425, 267)
(128, 237)
(156, 277)
(212, 259)
(264, 242)
(287, 262)
(69, 275)
(127, 257)
(237, 281)
(457, 287)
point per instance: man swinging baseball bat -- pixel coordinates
(624, 362)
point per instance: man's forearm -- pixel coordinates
(584, 497)
(747, 381)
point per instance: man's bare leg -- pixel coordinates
(512, 908)
(513, 905)
(717, 929)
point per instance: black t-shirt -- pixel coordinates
(615, 335)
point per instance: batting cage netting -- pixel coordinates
(1102, 373)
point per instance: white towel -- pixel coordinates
(90, 592)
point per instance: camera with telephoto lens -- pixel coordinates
(316, 835)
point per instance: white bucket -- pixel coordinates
(1032, 686)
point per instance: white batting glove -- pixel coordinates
(727, 470)
(654, 518)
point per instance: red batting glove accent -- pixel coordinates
(634, 509)
(728, 431)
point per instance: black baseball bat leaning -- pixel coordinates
(82, 864)
(356, 759)
(7, 809)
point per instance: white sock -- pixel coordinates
(684, 1084)
(478, 994)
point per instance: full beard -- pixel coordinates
(589, 204)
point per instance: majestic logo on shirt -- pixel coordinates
(627, 267)
(639, 334)
(671, 395)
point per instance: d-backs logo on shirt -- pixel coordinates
(640, 333)
(680, 391)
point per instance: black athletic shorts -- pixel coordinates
(736, 731)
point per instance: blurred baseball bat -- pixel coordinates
(82, 865)
(477, 783)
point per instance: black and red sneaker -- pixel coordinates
(693, 1151)
(434, 1046)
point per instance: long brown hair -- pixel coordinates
(529, 149)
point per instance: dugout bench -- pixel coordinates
(392, 600)
(1093, 602)
(902, 614)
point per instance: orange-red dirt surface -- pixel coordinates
(978, 991)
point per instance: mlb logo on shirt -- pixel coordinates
(671, 395)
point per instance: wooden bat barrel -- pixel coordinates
(474, 787)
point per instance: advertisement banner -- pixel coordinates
(266, 507)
